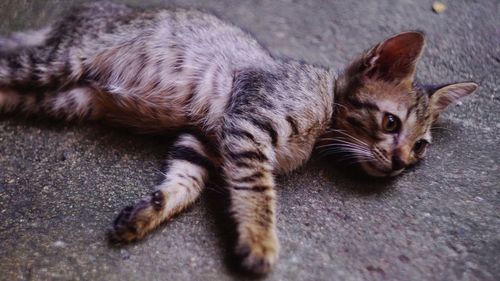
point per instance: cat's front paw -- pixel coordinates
(258, 255)
(134, 222)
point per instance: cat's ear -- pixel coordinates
(395, 58)
(445, 96)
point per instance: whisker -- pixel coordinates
(159, 171)
(352, 152)
(342, 140)
(342, 145)
(349, 151)
(441, 128)
(346, 135)
(352, 158)
(215, 189)
(352, 137)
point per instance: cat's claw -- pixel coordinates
(257, 259)
(133, 222)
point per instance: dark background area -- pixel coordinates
(61, 185)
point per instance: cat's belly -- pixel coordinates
(144, 114)
(188, 97)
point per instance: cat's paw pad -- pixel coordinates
(127, 227)
(257, 259)
(134, 222)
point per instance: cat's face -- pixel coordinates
(382, 119)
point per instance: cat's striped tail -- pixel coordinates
(34, 76)
(78, 103)
(36, 68)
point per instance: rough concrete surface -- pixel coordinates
(61, 185)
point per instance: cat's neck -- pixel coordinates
(313, 79)
(312, 88)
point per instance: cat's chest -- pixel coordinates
(297, 149)
(291, 157)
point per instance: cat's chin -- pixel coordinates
(373, 170)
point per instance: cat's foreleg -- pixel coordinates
(247, 155)
(188, 170)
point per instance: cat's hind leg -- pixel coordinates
(188, 169)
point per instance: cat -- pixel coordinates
(237, 110)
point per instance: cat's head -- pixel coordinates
(383, 120)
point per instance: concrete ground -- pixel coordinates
(62, 185)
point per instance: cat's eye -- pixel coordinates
(391, 123)
(419, 147)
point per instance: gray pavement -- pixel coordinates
(61, 185)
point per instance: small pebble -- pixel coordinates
(124, 254)
(404, 258)
(438, 7)
(63, 156)
(59, 244)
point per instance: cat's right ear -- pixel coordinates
(394, 59)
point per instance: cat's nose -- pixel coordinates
(397, 163)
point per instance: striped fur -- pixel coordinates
(254, 115)
(188, 170)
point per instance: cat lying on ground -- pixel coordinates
(236, 109)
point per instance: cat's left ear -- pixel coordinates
(395, 58)
(445, 96)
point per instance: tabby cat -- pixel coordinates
(237, 110)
